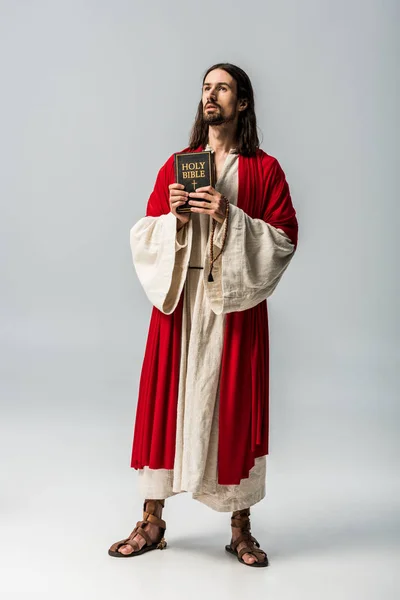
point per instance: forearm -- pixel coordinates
(160, 257)
(255, 257)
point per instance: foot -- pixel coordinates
(248, 557)
(138, 541)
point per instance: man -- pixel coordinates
(202, 413)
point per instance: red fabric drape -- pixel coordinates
(244, 380)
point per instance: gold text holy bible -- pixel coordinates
(194, 170)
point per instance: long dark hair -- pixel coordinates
(246, 133)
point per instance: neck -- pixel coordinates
(222, 137)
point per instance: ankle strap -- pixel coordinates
(149, 509)
(241, 518)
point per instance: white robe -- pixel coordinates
(162, 257)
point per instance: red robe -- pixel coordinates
(263, 193)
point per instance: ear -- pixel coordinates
(243, 104)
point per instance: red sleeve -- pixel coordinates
(158, 202)
(279, 211)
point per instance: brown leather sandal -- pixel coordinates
(241, 518)
(149, 508)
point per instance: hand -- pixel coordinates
(208, 201)
(177, 197)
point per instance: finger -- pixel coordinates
(178, 193)
(205, 204)
(176, 186)
(204, 195)
(200, 209)
(177, 199)
(207, 188)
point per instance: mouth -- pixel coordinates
(211, 106)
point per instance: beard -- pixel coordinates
(216, 117)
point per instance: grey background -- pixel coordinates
(95, 97)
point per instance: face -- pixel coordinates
(219, 98)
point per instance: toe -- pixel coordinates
(249, 559)
(127, 549)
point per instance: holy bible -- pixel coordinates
(194, 170)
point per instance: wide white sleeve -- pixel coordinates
(255, 256)
(160, 256)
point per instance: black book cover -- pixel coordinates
(194, 170)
